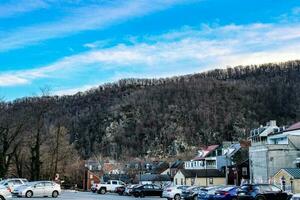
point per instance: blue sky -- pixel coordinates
(73, 45)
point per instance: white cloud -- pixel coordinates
(91, 17)
(20, 6)
(178, 52)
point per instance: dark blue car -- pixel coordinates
(208, 193)
(227, 193)
(262, 192)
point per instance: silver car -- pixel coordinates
(4, 193)
(13, 183)
(174, 192)
(38, 189)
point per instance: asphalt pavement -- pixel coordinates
(72, 195)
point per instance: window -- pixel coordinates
(244, 171)
(114, 182)
(211, 181)
(181, 182)
(38, 185)
(48, 184)
(176, 181)
(274, 188)
(156, 187)
(148, 187)
(17, 182)
(265, 188)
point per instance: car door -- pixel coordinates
(148, 190)
(114, 185)
(278, 193)
(157, 190)
(39, 189)
(49, 188)
(267, 192)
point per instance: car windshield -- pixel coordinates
(226, 189)
(265, 188)
(182, 187)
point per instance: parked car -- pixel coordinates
(38, 189)
(262, 192)
(226, 193)
(147, 190)
(128, 189)
(173, 192)
(190, 193)
(5, 193)
(110, 186)
(296, 197)
(208, 193)
(12, 183)
(120, 190)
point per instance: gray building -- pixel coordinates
(272, 148)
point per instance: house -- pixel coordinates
(200, 177)
(291, 177)
(214, 156)
(237, 172)
(157, 179)
(92, 174)
(174, 168)
(272, 148)
(207, 158)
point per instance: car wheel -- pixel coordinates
(54, 194)
(260, 198)
(142, 195)
(135, 195)
(29, 194)
(102, 191)
(177, 197)
(2, 198)
(196, 197)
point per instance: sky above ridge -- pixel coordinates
(73, 45)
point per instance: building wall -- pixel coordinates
(266, 160)
(90, 179)
(201, 181)
(296, 182)
(179, 179)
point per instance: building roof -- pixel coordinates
(159, 168)
(204, 152)
(178, 164)
(294, 127)
(294, 172)
(232, 149)
(192, 173)
(154, 177)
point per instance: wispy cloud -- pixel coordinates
(96, 16)
(16, 7)
(183, 51)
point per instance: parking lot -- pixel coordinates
(70, 195)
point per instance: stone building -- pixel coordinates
(272, 148)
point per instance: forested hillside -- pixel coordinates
(145, 117)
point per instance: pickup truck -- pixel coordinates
(109, 186)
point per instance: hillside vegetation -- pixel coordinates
(145, 117)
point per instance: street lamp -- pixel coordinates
(291, 180)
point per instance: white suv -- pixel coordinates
(173, 192)
(12, 183)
